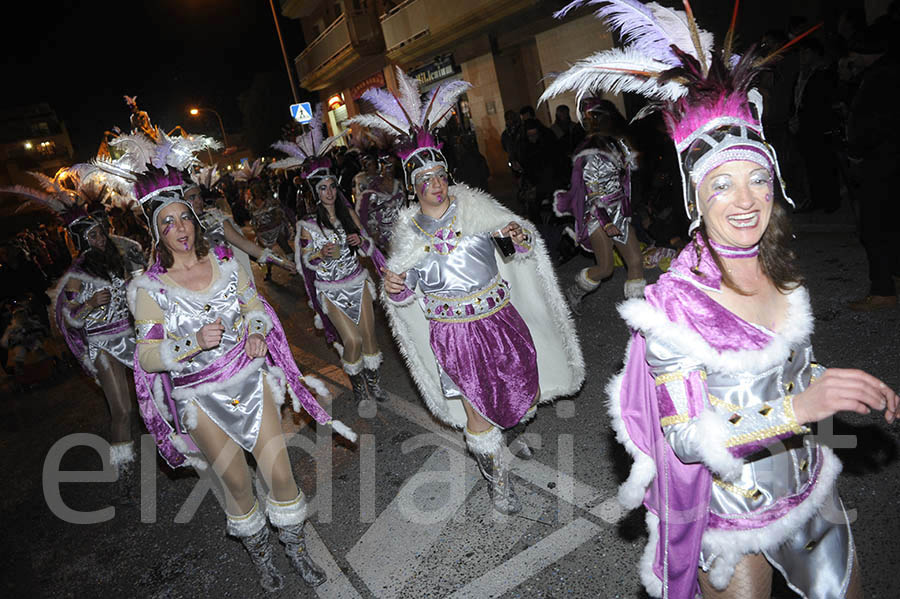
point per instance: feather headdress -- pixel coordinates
(706, 95)
(149, 170)
(410, 119)
(309, 150)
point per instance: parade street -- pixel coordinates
(396, 515)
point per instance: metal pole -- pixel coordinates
(287, 64)
(221, 126)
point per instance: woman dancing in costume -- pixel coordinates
(213, 364)
(266, 214)
(720, 383)
(382, 201)
(328, 245)
(220, 228)
(599, 199)
(89, 302)
(485, 339)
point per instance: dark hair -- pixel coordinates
(102, 264)
(526, 110)
(776, 258)
(340, 210)
(201, 246)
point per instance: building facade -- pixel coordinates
(32, 138)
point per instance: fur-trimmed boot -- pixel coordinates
(253, 532)
(518, 447)
(121, 457)
(372, 362)
(634, 288)
(581, 287)
(491, 454)
(354, 372)
(288, 517)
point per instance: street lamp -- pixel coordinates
(196, 111)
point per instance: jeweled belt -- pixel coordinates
(471, 307)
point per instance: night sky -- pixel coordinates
(172, 54)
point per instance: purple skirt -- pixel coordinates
(493, 362)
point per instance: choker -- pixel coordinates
(726, 251)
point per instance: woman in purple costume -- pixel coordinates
(473, 301)
(720, 386)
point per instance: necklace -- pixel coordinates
(727, 251)
(444, 239)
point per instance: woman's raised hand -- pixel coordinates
(210, 335)
(844, 390)
(101, 298)
(331, 250)
(394, 283)
(354, 239)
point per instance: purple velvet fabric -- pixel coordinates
(679, 494)
(493, 362)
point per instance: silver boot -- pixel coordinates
(253, 532)
(295, 549)
(490, 453)
(260, 550)
(518, 447)
(372, 363)
(576, 291)
(358, 383)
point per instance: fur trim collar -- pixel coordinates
(653, 322)
(477, 212)
(223, 273)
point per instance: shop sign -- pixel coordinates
(440, 68)
(375, 80)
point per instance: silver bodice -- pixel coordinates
(119, 345)
(213, 221)
(602, 176)
(454, 265)
(342, 280)
(333, 269)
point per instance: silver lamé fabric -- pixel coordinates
(341, 280)
(234, 404)
(603, 177)
(121, 345)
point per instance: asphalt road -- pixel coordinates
(404, 512)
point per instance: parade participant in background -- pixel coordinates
(218, 225)
(89, 302)
(328, 244)
(599, 199)
(363, 179)
(720, 383)
(485, 338)
(266, 215)
(382, 200)
(213, 365)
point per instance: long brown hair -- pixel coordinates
(201, 247)
(776, 257)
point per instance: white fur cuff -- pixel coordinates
(634, 288)
(121, 453)
(353, 368)
(488, 442)
(246, 525)
(712, 428)
(168, 354)
(286, 513)
(258, 322)
(372, 361)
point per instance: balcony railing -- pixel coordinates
(355, 30)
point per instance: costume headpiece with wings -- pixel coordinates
(706, 94)
(406, 116)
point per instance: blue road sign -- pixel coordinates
(302, 112)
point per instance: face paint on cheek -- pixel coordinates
(713, 198)
(424, 188)
(168, 228)
(185, 244)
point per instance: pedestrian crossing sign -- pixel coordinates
(302, 112)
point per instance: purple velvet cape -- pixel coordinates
(679, 493)
(572, 202)
(279, 355)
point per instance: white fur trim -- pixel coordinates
(651, 582)
(372, 361)
(193, 460)
(246, 525)
(584, 282)
(643, 471)
(344, 430)
(535, 293)
(352, 368)
(298, 249)
(317, 321)
(634, 288)
(488, 442)
(409, 299)
(277, 382)
(190, 416)
(253, 367)
(316, 386)
(159, 399)
(286, 513)
(338, 348)
(529, 415)
(168, 357)
(266, 254)
(713, 428)
(729, 546)
(259, 315)
(121, 453)
(798, 326)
